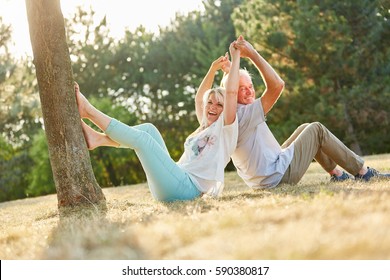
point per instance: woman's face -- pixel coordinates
(213, 108)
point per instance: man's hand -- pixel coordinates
(246, 49)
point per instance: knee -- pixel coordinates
(316, 127)
(149, 126)
(300, 128)
(303, 126)
(313, 126)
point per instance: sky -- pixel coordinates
(121, 14)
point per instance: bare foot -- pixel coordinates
(96, 139)
(90, 135)
(82, 102)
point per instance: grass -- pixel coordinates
(315, 219)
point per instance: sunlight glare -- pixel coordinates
(121, 15)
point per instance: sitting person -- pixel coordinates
(260, 161)
(207, 150)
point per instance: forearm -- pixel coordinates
(232, 81)
(205, 85)
(231, 87)
(274, 84)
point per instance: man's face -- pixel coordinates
(246, 92)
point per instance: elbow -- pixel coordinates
(281, 85)
(278, 87)
(229, 119)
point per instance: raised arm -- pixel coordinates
(207, 83)
(231, 86)
(274, 84)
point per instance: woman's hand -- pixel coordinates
(234, 50)
(222, 63)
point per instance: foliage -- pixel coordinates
(20, 115)
(19, 119)
(40, 177)
(14, 164)
(7, 65)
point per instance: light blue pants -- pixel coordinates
(166, 180)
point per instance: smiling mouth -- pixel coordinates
(212, 113)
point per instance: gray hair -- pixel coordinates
(241, 72)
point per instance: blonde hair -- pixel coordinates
(219, 93)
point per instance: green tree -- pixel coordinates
(40, 177)
(14, 165)
(92, 52)
(18, 119)
(19, 104)
(7, 65)
(20, 115)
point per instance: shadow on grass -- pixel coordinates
(312, 190)
(199, 205)
(253, 194)
(205, 204)
(86, 234)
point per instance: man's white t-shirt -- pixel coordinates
(207, 153)
(259, 159)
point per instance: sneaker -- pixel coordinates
(372, 173)
(341, 178)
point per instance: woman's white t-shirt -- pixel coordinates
(207, 153)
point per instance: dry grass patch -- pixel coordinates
(315, 219)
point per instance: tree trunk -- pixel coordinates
(69, 156)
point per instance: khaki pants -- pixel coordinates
(314, 140)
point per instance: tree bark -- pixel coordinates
(69, 156)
